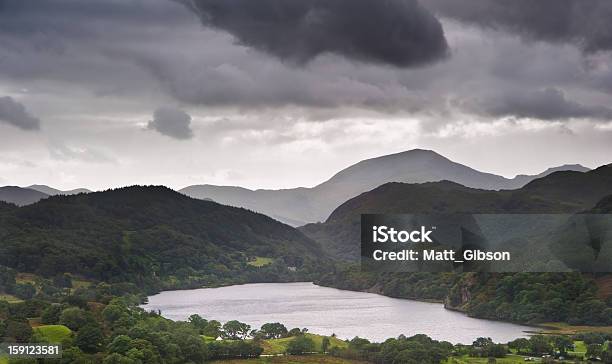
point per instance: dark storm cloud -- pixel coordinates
(546, 104)
(395, 32)
(586, 24)
(171, 122)
(156, 52)
(14, 113)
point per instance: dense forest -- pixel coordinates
(529, 298)
(153, 237)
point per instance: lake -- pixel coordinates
(327, 310)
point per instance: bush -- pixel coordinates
(233, 350)
(301, 344)
(89, 339)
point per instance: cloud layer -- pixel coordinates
(14, 113)
(545, 104)
(288, 92)
(586, 24)
(171, 122)
(395, 32)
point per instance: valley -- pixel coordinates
(88, 253)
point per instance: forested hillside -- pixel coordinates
(148, 235)
(560, 192)
(528, 297)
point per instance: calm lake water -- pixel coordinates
(326, 310)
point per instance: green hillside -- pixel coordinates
(279, 346)
(525, 297)
(51, 333)
(560, 192)
(148, 236)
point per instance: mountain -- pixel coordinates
(604, 206)
(526, 298)
(303, 205)
(559, 192)
(5, 206)
(20, 196)
(53, 191)
(523, 179)
(147, 235)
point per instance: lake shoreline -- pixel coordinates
(328, 310)
(541, 327)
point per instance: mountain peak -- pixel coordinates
(567, 167)
(54, 191)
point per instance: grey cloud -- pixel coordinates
(171, 122)
(583, 23)
(395, 32)
(14, 113)
(545, 104)
(62, 152)
(144, 54)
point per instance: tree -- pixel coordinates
(212, 329)
(74, 318)
(301, 344)
(7, 279)
(120, 344)
(63, 280)
(482, 342)
(521, 345)
(563, 344)
(294, 332)
(198, 322)
(89, 338)
(539, 345)
(117, 359)
(25, 291)
(19, 330)
(325, 344)
(115, 311)
(358, 343)
(192, 347)
(594, 351)
(235, 330)
(51, 315)
(497, 351)
(273, 330)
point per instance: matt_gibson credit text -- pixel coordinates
(384, 234)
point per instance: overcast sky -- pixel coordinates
(284, 93)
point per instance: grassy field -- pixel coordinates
(4, 361)
(579, 349)
(25, 278)
(510, 359)
(279, 346)
(261, 261)
(306, 359)
(52, 333)
(559, 328)
(79, 283)
(9, 298)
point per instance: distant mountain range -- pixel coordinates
(299, 206)
(22, 196)
(559, 192)
(53, 191)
